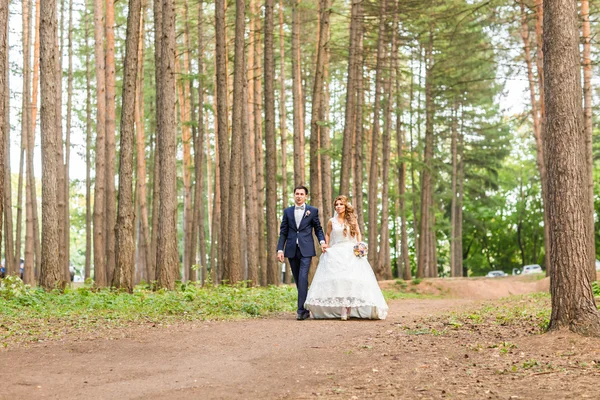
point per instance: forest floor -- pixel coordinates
(469, 342)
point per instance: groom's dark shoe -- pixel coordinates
(303, 316)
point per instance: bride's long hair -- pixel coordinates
(349, 216)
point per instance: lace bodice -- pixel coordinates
(337, 233)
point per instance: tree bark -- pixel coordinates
(282, 127)
(31, 143)
(454, 270)
(234, 267)
(358, 128)
(273, 272)
(425, 262)
(299, 167)
(350, 106)
(374, 153)
(587, 123)
(111, 146)
(100, 276)
(573, 304)
(167, 256)
(198, 235)
(124, 230)
(223, 129)
(51, 273)
(144, 244)
(88, 148)
(67, 187)
(383, 267)
(4, 101)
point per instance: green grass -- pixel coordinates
(32, 314)
(28, 314)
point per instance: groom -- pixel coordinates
(295, 234)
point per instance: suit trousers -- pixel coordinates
(300, 266)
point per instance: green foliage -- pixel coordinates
(596, 288)
(34, 314)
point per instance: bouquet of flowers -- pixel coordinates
(361, 249)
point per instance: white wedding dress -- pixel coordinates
(344, 280)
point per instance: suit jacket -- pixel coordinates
(289, 233)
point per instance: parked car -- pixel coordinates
(3, 269)
(496, 274)
(532, 269)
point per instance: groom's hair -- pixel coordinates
(301, 187)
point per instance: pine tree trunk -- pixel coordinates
(31, 142)
(12, 267)
(454, 271)
(374, 153)
(587, 123)
(258, 142)
(426, 242)
(282, 111)
(124, 231)
(324, 135)
(111, 146)
(383, 268)
(459, 202)
(234, 267)
(156, 154)
(350, 110)
(88, 148)
(100, 275)
(282, 127)
(51, 273)
(144, 242)
(67, 186)
(573, 304)
(223, 130)
(9, 245)
(273, 271)
(198, 235)
(358, 127)
(167, 257)
(60, 153)
(4, 104)
(299, 168)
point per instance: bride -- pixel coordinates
(344, 285)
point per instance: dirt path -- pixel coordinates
(276, 357)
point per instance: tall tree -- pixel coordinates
(29, 127)
(167, 255)
(299, 178)
(223, 131)
(234, 265)
(273, 274)
(88, 148)
(4, 127)
(374, 154)
(144, 234)
(198, 235)
(587, 120)
(67, 186)
(111, 146)
(51, 272)
(124, 232)
(35, 231)
(100, 277)
(350, 110)
(573, 304)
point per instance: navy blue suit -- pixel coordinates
(298, 246)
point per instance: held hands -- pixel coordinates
(280, 256)
(324, 247)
